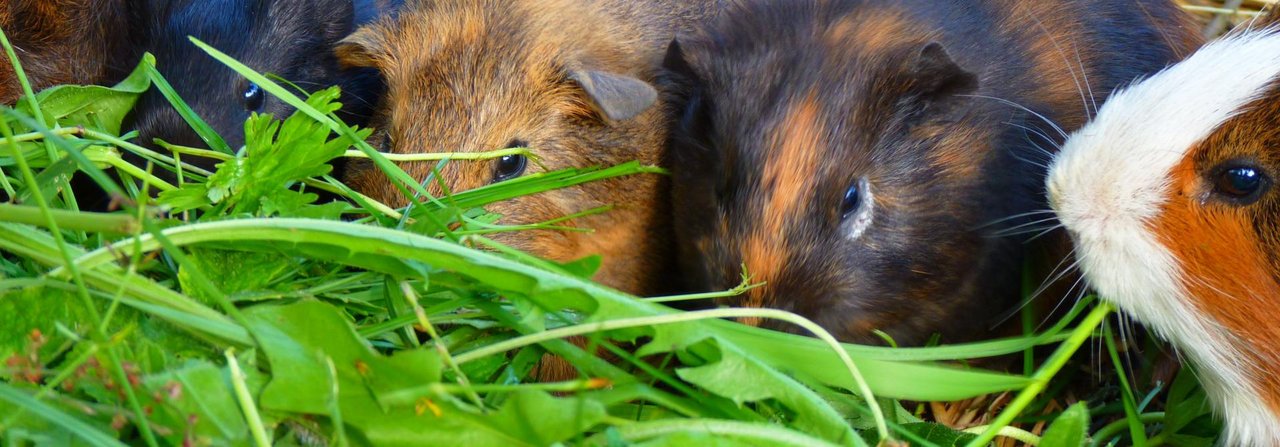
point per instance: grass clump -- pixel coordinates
(234, 306)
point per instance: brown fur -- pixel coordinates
(1229, 253)
(472, 76)
(62, 42)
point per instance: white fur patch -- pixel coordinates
(861, 220)
(1111, 179)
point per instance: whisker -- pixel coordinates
(1024, 108)
(1015, 216)
(1027, 300)
(1023, 228)
(1044, 166)
(1046, 231)
(1071, 268)
(1084, 73)
(1040, 134)
(1054, 40)
(1065, 296)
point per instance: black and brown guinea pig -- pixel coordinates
(848, 153)
(63, 42)
(292, 39)
(1170, 197)
(572, 80)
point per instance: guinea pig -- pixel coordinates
(292, 39)
(1170, 197)
(848, 153)
(63, 42)
(572, 80)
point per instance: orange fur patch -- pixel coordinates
(1050, 32)
(788, 179)
(877, 29)
(1225, 271)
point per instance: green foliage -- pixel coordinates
(1070, 429)
(391, 328)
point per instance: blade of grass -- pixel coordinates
(1136, 429)
(245, 400)
(1046, 373)
(751, 433)
(201, 128)
(73, 425)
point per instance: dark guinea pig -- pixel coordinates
(848, 153)
(63, 42)
(292, 39)
(572, 80)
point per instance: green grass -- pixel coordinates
(233, 308)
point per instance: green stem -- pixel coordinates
(1041, 378)
(412, 394)
(1115, 427)
(863, 389)
(335, 407)
(133, 170)
(752, 433)
(1019, 434)
(144, 152)
(71, 220)
(438, 156)
(412, 298)
(33, 136)
(245, 399)
(1136, 429)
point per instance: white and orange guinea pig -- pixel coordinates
(1170, 196)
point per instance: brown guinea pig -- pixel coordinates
(63, 42)
(570, 79)
(849, 152)
(1170, 197)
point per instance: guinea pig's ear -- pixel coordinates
(936, 80)
(617, 97)
(680, 78)
(363, 48)
(340, 21)
(676, 67)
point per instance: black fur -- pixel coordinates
(292, 39)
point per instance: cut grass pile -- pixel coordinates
(234, 307)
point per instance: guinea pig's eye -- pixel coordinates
(254, 98)
(1241, 184)
(510, 166)
(852, 200)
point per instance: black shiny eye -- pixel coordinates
(510, 166)
(852, 200)
(254, 98)
(1243, 184)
